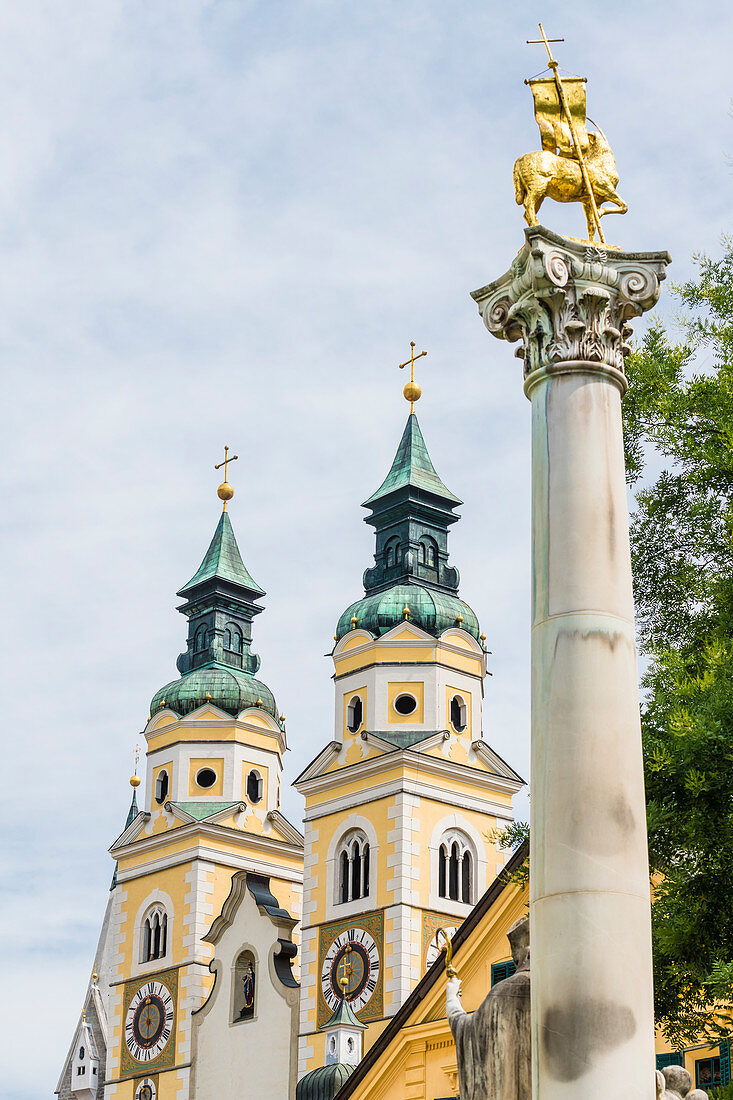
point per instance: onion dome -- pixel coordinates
(411, 577)
(226, 688)
(323, 1083)
(218, 667)
(433, 611)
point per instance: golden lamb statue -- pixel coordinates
(573, 165)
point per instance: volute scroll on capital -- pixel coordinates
(570, 302)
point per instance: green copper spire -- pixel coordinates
(131, 815)
(411, 578)
(223, 560)
(412, 467)
(220, 603)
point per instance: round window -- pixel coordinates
(206, 777)
(405, 704)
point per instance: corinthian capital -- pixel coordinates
(570, 302)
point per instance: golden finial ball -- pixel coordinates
(412, 392)
(135, 781)
(225, 491)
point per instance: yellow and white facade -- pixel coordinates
(413, 789)
(402, 806)
(179, 856)
(231, 939)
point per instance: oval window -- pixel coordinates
(255, 787)
(405, 704)
(354, 714)
(206, 777)
(458, 713)
(161, 787)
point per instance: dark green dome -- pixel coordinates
(323, 1083)
(229, 689)
(431, 610)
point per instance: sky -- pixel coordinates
(223, 222)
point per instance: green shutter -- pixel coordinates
(500, 971)
(674, 1058)
(725, 1062)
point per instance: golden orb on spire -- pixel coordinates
(225, 491)
(412, 392)
(135, 781)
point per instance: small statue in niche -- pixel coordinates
(245, 973)
(493, 1044)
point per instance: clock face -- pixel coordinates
(145, 1090)
(351, 964)
(149, 1022)
(437, 944)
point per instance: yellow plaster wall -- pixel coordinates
(414, 688)
(263, 739)
(201, 794)
(427, 654)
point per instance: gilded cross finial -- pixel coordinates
(225, 491)
(538, 42)
(135, 779)
(412, 391)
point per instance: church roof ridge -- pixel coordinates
(223, 560)
(412, 467)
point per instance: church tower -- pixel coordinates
(215, 743)
(401, 804)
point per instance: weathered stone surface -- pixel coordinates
(675, 1083)
(493, 1043)
(568, 301)
(592, 1014)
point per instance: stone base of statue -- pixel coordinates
(570, 305)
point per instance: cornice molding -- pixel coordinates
(199, 851)
(415, 787)
(240, 838)
(189, 722)
(316, 783)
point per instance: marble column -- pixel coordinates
(570, 304)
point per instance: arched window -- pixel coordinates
(154, 934)
(354, 713)
(201, 639)
(255, 787)
(344, 876)
(428, 552)
(245, 987)
(458, 713)
(392, 553)
(161, 786)
(233, 638)
(455, 869)
(81, 1052)
(353, 865)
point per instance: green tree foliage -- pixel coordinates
(678, 423)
